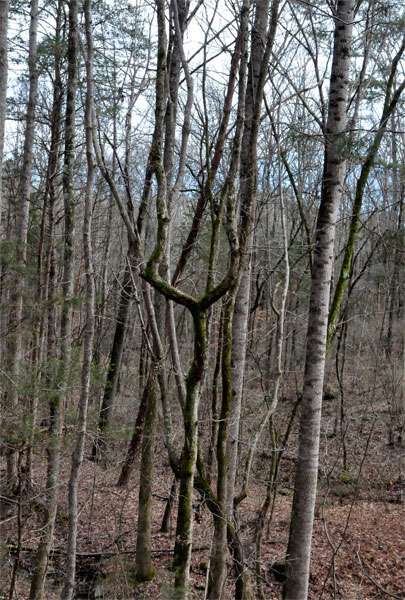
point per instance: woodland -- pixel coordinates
(202, 318)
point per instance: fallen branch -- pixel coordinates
(12, 548)
(380, 589)
(8, 519)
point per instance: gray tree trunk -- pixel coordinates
(4, 6)
(16, 346)
(44, 342)
(60, 377)
(299, 546)
(78, 452)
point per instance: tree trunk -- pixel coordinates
(57, 399)
(390, 102)
(114, 366)
(215, 403)
(144, 568)
(45, 330)
(299, 546)
(77, 457)
(4, 6)
(182, 548)
(166, 521)
(136, 437)
(237, 309)
(16, 349)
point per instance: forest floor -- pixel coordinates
(358, 542)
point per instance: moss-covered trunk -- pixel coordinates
(182, 548)
(390, 102)
(144, 569)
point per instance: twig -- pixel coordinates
(8, 519)
(373, 580)
(8, 499)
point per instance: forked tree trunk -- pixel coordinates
(237, 310)
(299, 546)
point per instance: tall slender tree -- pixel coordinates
(58, 397)
(237, 307)
(78, 451)
(4, 6)
(16, 350)
(299, 545)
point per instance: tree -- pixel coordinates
(77, 456)
(4, 6)
(222, 151)
(58, 396)
(144, 569)
(236, 312)
(390, 102)
(16, 351)
(299, 545)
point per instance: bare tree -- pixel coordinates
(78, 452)
(237, 307)
(391, 99)
(16, 350)
(144, 569)
(58, 397)
(299, 546)
(4, 6)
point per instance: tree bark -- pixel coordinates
(144, 568)
(78, 452)
(114, 365)
(4, 6)
(16, 346)
(299, 546)
(136, 438)
(58, 397)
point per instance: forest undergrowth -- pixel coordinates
(359, 532)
